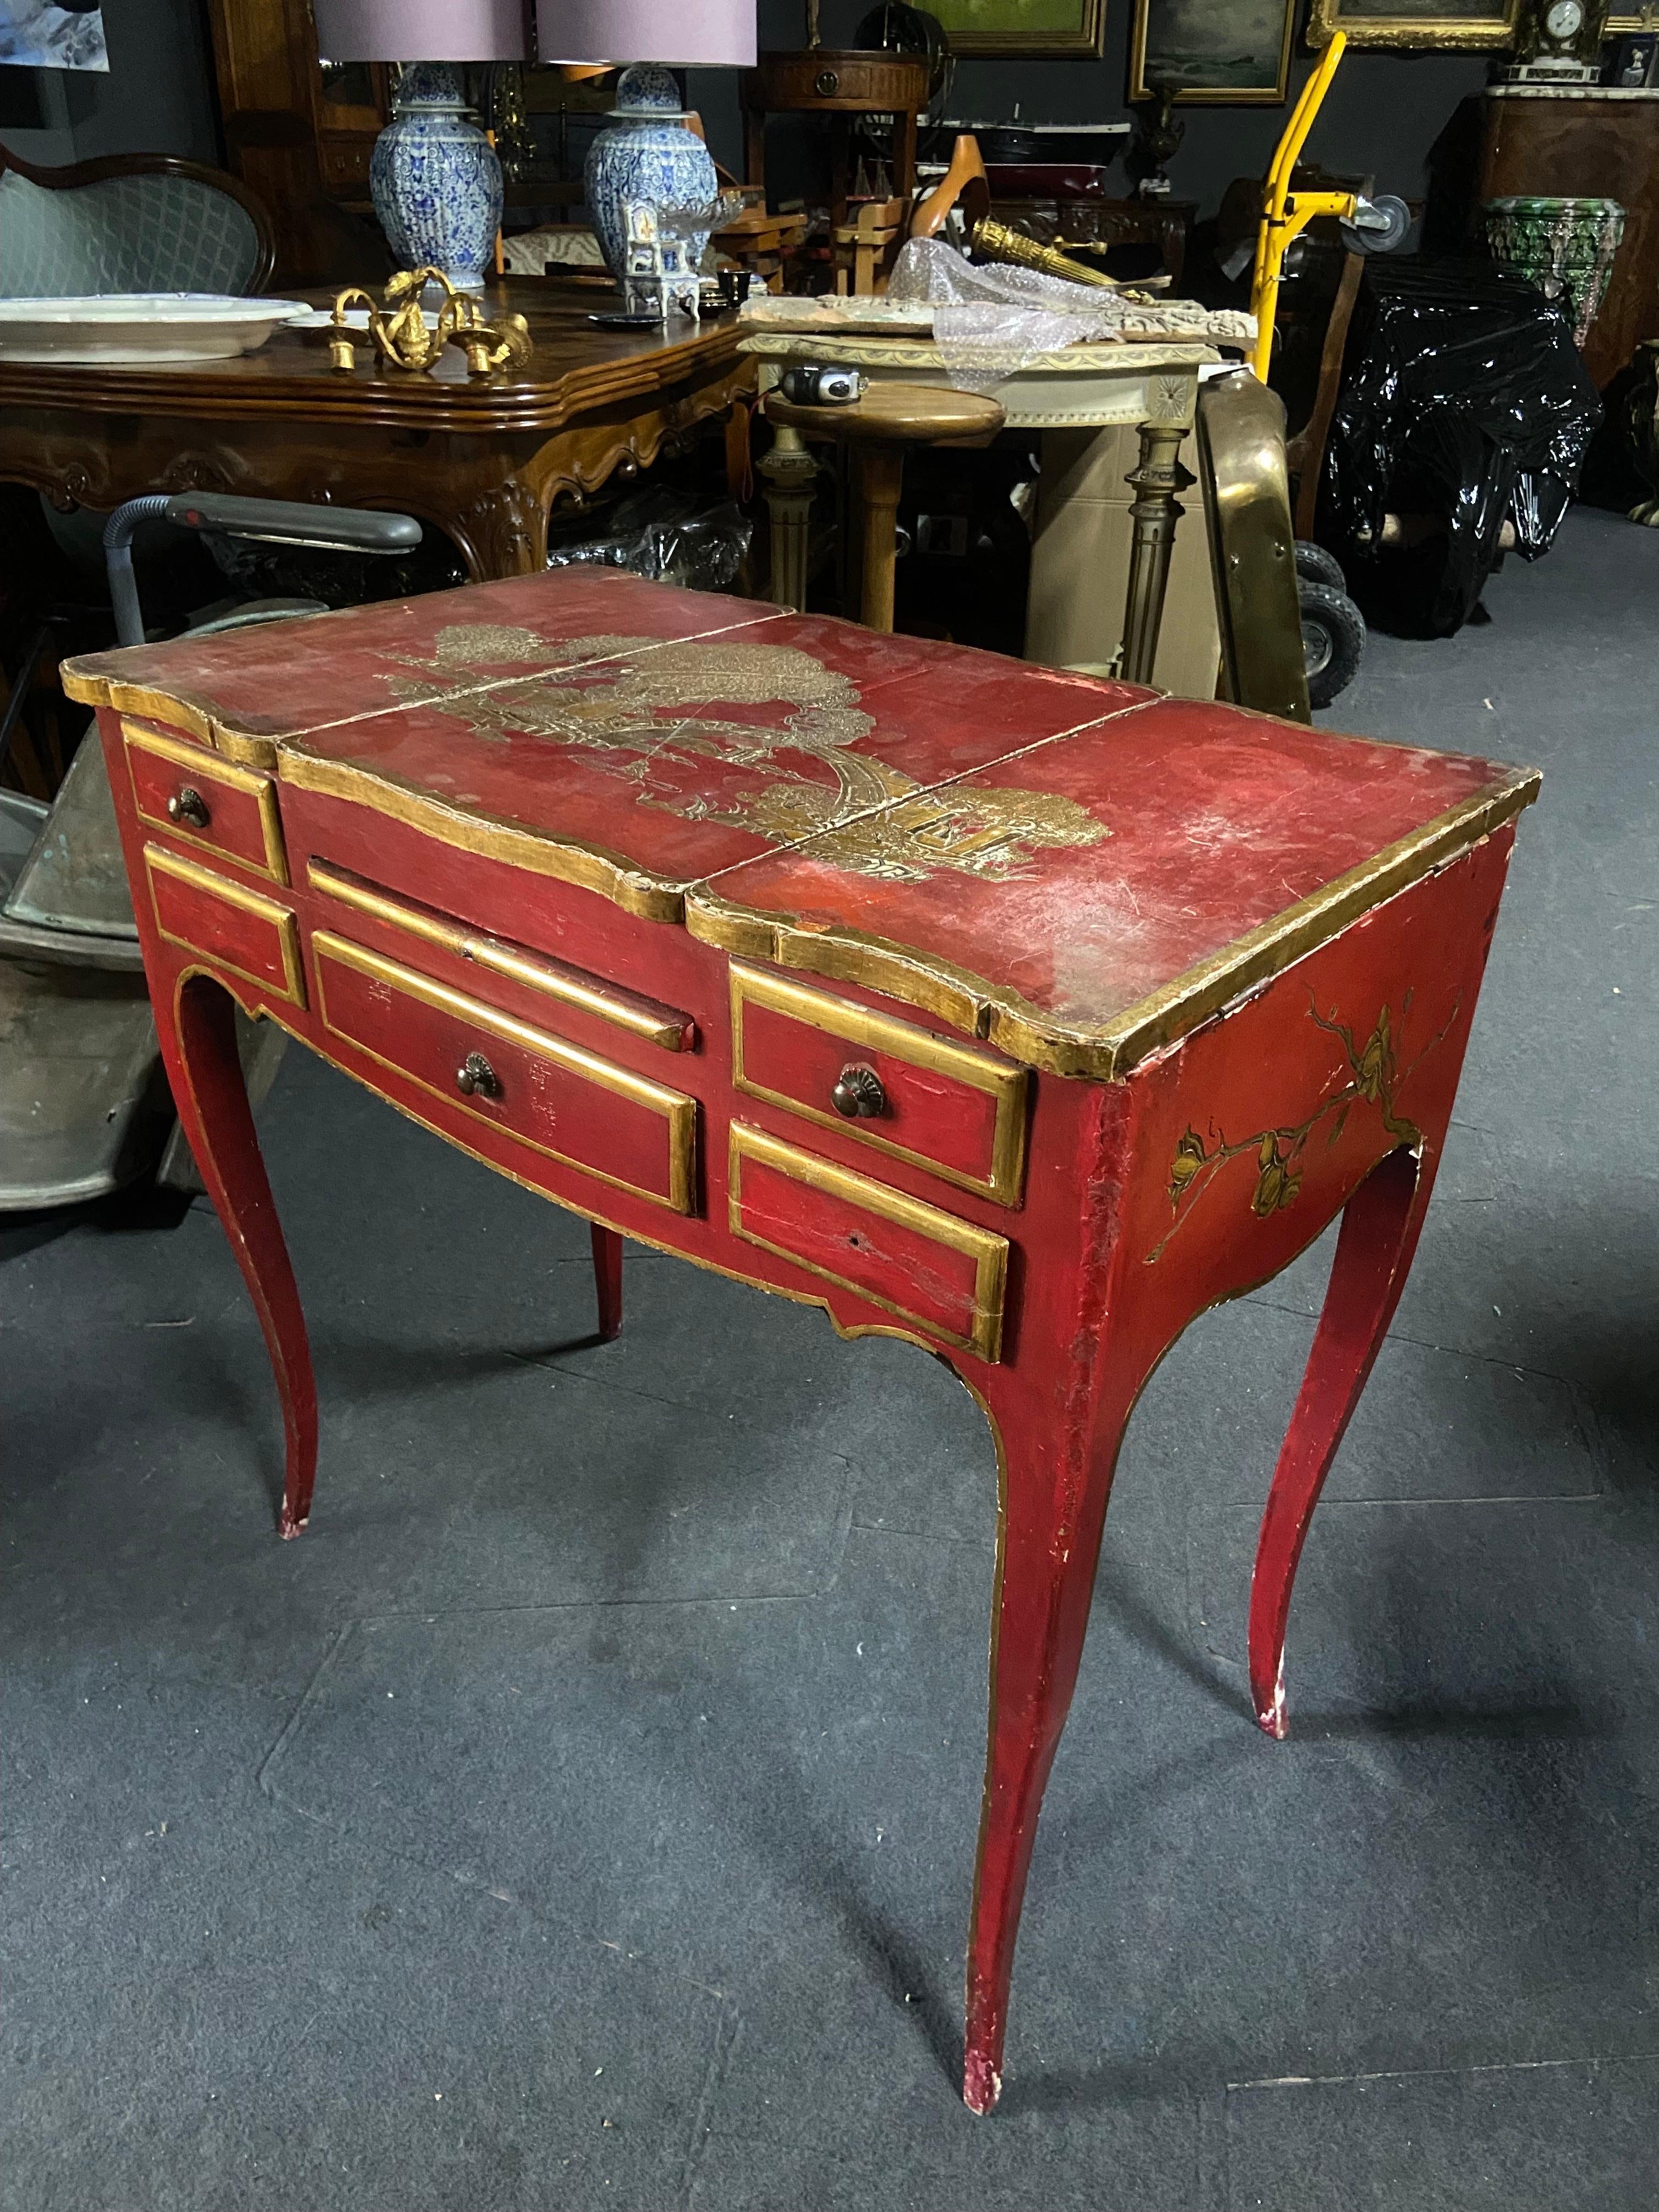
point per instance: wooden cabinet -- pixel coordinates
(300, 134)
(1592, 142)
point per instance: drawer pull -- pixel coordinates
(188, 805)
(475, 1073)
(859, 1095)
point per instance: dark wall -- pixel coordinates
(1381, 116)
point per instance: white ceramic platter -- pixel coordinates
(356, 319)
(139, 329)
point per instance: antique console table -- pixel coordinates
(1019, 1015)
(1115, 419)
(484, 460)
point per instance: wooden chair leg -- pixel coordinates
(881, 478)
(198, 1044)
(1380, 1227)
(607, 1281)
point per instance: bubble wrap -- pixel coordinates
(990, 320)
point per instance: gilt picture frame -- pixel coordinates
(1234, 53)
(1028, 28)
(1451, 26)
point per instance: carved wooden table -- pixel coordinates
(1018, 1015)
(484, 460)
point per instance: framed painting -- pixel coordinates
(1469, 24)
(1231, 52)
(1022, 27)
(1645, 18)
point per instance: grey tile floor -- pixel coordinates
(582, 1813)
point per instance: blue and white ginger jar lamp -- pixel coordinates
(436, 180)
(433, 175)
(648, 153)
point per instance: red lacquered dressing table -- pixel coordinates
(1019, 1015)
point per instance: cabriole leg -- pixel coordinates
(1380, 1226)
(205, 1070)
(1053, 1508)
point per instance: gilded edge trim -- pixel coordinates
(1108, 1052)
(955, 994)
(677, 1110)
(213, 769)
(1008, 1087)
(1425, 28)
(989, 1251)
(638, 1018)
(590, 867)
(213, 885)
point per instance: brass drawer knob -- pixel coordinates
(476, 1074)
(858, 1094)
(188, 805)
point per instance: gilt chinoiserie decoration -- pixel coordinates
(1019, 1015)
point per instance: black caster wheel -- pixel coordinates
(1332, 641)
(1315, 565)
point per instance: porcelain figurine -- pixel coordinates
(435, 179)
(647, 155)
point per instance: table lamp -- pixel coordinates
(649, 153)
(433, 176)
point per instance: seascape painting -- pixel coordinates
(41, 34)
(1233, 51)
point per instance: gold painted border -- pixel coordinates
(1465, 33)
(81, 680)
(280, 918)
(1032, 45)
(1008, 1087)
(1211, 95)
(498, 956)
(677, 1110)
(1107, 1052)
(984, 1247)
(590, 867)
(259, 788)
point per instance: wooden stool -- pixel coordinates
(888, 417)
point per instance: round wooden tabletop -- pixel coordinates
(893, 414)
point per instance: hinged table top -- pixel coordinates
(1078, 871)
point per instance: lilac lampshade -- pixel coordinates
(685, 33)
(420, 30)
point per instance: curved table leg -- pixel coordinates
(1054, 1489)
(198, 1043)
(1379, 1233)
(607, 1281)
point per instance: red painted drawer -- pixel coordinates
(956, 1111)
(568, 990)
(947, 1276)
(205, 802)
(237, 930)
(554, 1096)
